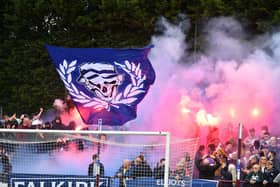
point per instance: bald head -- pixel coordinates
(126, 163)
(205, 162)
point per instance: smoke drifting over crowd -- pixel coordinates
(234, 80)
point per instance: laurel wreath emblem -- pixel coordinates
(128, 96)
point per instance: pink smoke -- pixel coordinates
(234, 80)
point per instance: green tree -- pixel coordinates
(28, 79)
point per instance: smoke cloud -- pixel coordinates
(234, 80)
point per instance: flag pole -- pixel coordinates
(98, 152)
(239, 145)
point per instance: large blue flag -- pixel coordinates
(104, 83)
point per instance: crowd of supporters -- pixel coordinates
(139, 167)
(260, 155)
(34, 121)
(260, 164)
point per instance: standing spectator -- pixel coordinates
(255, 177)
(256, 147)
(211, 149)
(198, 155)
(140, 168)
(269, 174)
(124, 172)
(262, 163)
(207, 167)
(264, 151)
(274, 146)
(252, 161)
(25, 123)
(245, 159)
(228, 148)
(47, 126)
(265, 138)
(96, 167)
(4, 120)
(272, 157)
(159, 169)
(186, 161)
(38, 116)
(57, 124)
(226, 175)
(232, 166)
(5, 166)
(249, 140)
(180, 171)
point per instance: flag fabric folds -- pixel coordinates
(104, 83)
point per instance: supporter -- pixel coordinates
(273, 142)
(124, 172)
(249, 140)
(264, 128)
(47, 126)
(255, 177)
(36, 124)
(96, 167)
(252, 161)
(207, 167)
(57, 124)
(269, 174)
(265, 138)
(187, 162)
(140, 168)
(263, 151)
(245, 159)
(232, 170)
(232, 166)
(272, 157)
(226, 176)
(228, 148)
(262, 163)
(180, 171)
(14, 124)
(159, 169)
(198, 155)
(5, 166)
(211, 149)
(274, 146)
(38, 116)
(5, 120)
(25, 123)
(256, 147)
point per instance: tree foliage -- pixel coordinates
(28, 79)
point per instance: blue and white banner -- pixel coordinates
(104, 83)
(29, 180)
(58, 182)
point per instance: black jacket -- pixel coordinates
(90, 169)
(207, 171)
